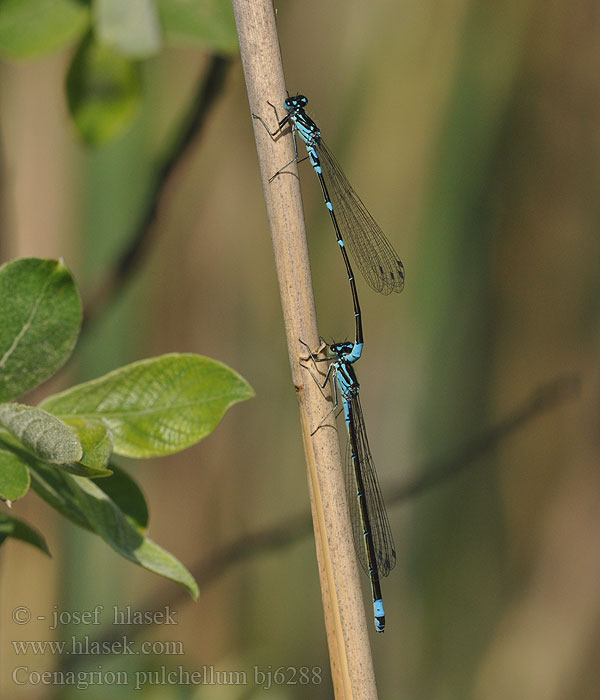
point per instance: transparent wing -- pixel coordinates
(383, 541)
(378, 261)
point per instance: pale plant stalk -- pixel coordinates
(346, 626)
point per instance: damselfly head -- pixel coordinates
(341, 349)
(295, 102)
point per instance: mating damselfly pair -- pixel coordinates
(357, 232)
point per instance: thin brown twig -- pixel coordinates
(125, 266)
(434, 474)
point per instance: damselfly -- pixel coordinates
(354, 227)
(371, 530)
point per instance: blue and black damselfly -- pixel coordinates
(372, 535)
(354, 227)
(355, 230)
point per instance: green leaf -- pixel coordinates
(41, 314)
(14, 476)
(52, 486)
(43, 434)
(82, 470)
(34, 27)
(78, 468)
(208, 24)
(19, 530)
(157, 406)
(127, 495)
(109, 522)
(103, 91)
(131, 27)
(86, 504)
(96, 441)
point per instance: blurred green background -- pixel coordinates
(471, 131)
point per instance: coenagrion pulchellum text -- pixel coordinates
(354, 227)
(372, 535)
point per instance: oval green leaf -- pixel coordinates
(41, 314)
(20, 530)
(51, 485)
(96, 440)
(14, 476)
(103, 91)
(108, 521)
(208, 24)
(157, 406)
(34, 27)
(81, 470)
(43, 434)
(127, 495)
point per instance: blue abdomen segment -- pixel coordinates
(379, 615)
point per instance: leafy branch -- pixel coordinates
(64, 448)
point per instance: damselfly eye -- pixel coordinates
(295, 101)
(341, 348)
